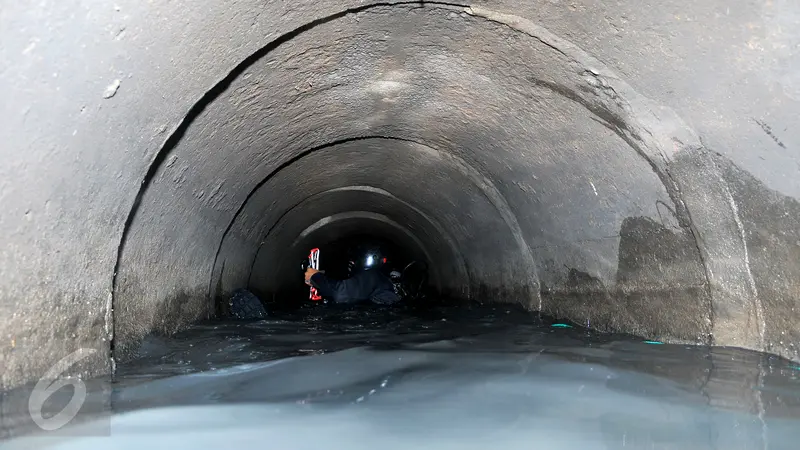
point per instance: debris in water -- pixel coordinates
(245, 305)
(112, 89)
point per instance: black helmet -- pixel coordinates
(366, 258)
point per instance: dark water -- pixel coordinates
(468, 378)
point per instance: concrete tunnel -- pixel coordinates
(631, 166)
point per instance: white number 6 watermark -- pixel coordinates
(50, 383)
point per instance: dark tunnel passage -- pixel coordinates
(498, 143)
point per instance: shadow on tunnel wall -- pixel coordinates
(660, 288)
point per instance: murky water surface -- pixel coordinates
(468, 378)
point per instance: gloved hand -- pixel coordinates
(310, 273)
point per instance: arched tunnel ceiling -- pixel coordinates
(621, 214)
(494, 117)
(423, 236)
(447, 203)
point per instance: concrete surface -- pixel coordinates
(627, 164)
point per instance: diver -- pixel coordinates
(366, 280)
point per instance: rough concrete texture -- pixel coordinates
(629, 164)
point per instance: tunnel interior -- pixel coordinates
(466, 153)
(517, 164)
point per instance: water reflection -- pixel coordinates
(456, 378)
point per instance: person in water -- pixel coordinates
(367, 281)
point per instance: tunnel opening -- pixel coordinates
(340, 242)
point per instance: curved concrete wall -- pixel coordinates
(628, 165)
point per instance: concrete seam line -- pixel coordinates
(709, 275)
(497, 199)
(613, 97)
(634, 118)
(726, 263)
(756, 300)
(437, 226)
